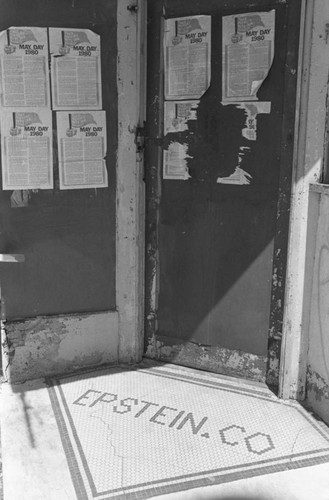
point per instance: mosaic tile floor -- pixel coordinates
(134, 434)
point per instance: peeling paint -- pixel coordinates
(317, 385)
(214, 359)
(273, 363)
(49, 345)
(7, 350)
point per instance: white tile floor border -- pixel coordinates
(138, 433)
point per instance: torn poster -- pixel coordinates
(177, 114)
(248, 51)
(82, 149)
(252, 109)
(24, 68)
(75, 69)
(187, 55)
(27, 152)
(175, 162)
(239, 177)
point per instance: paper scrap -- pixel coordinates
(175, 162)
(82, 149)
(27, 151)
(252, 109)
(248, 51)
(187, 56)
(239, 177)
(178, 113)
(75, 69)
(24, 68)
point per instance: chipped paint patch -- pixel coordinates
(273, 365)
(317, 393)
(317, 385)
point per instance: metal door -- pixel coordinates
(216, 251)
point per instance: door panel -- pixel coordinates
(213, 249)
(67, 236)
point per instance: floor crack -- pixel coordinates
(293, 447)
(108, 437)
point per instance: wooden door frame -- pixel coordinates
(131, 194)
(288, 342)
(307, 169)
(130, 219)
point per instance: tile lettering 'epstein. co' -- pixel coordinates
(256, 443)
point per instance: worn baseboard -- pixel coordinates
(213, 359)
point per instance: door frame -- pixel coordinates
(305, 169)
(276, 338)
(130, 219)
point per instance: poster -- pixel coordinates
(187, 56)
(82, 149)
(24, 68)
(175, 162)
(75, 69)
(248, 51)
(26, 149)
(177, 115)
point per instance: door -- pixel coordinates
(67, 235)
(216, 241)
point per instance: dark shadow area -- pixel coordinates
(27, 409)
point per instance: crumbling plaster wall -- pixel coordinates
(317, 379)
(51, 345)
(316, 312)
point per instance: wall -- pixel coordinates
(46, 345)
(305, 350)
(317, 381)
(51, 345)
(308, 169)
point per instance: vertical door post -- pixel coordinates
(130, 185)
